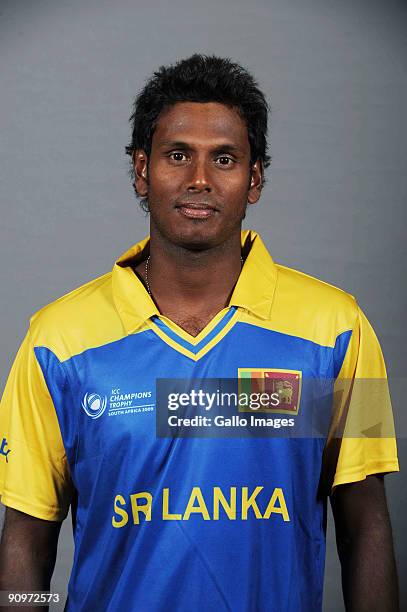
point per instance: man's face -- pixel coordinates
(198, 179)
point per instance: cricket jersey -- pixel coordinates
(228, 512)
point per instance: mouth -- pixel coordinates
(196, 210)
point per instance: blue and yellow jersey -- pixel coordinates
(191, 523)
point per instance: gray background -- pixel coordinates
(335, 203)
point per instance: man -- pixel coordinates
(212, 521)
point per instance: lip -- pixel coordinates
(196, 210)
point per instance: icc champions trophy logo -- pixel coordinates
(94, 405)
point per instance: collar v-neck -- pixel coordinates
(253, 291)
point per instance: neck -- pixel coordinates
(199, 281)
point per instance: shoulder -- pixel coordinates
(315, 290)
(312, 307)
(83, 318)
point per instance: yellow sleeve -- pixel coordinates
(362, 438)
(34, 473)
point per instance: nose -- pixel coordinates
(199, 179)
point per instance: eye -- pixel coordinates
(224, 160)
(177, 156)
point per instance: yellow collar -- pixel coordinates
(255, 286)
(254, 289)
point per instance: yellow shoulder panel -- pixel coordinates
(308, 308)
(83, 318)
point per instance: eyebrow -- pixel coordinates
(226, 147)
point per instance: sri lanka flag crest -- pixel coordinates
(273, 382)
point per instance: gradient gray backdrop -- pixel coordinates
(335, 203)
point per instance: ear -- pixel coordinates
(140, 163)
(256, 182)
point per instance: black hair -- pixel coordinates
(200, 78)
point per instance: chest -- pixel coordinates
(113, 398)
(193, 325)
(189, 321)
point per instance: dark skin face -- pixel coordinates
(200, 155)
(198, 181)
